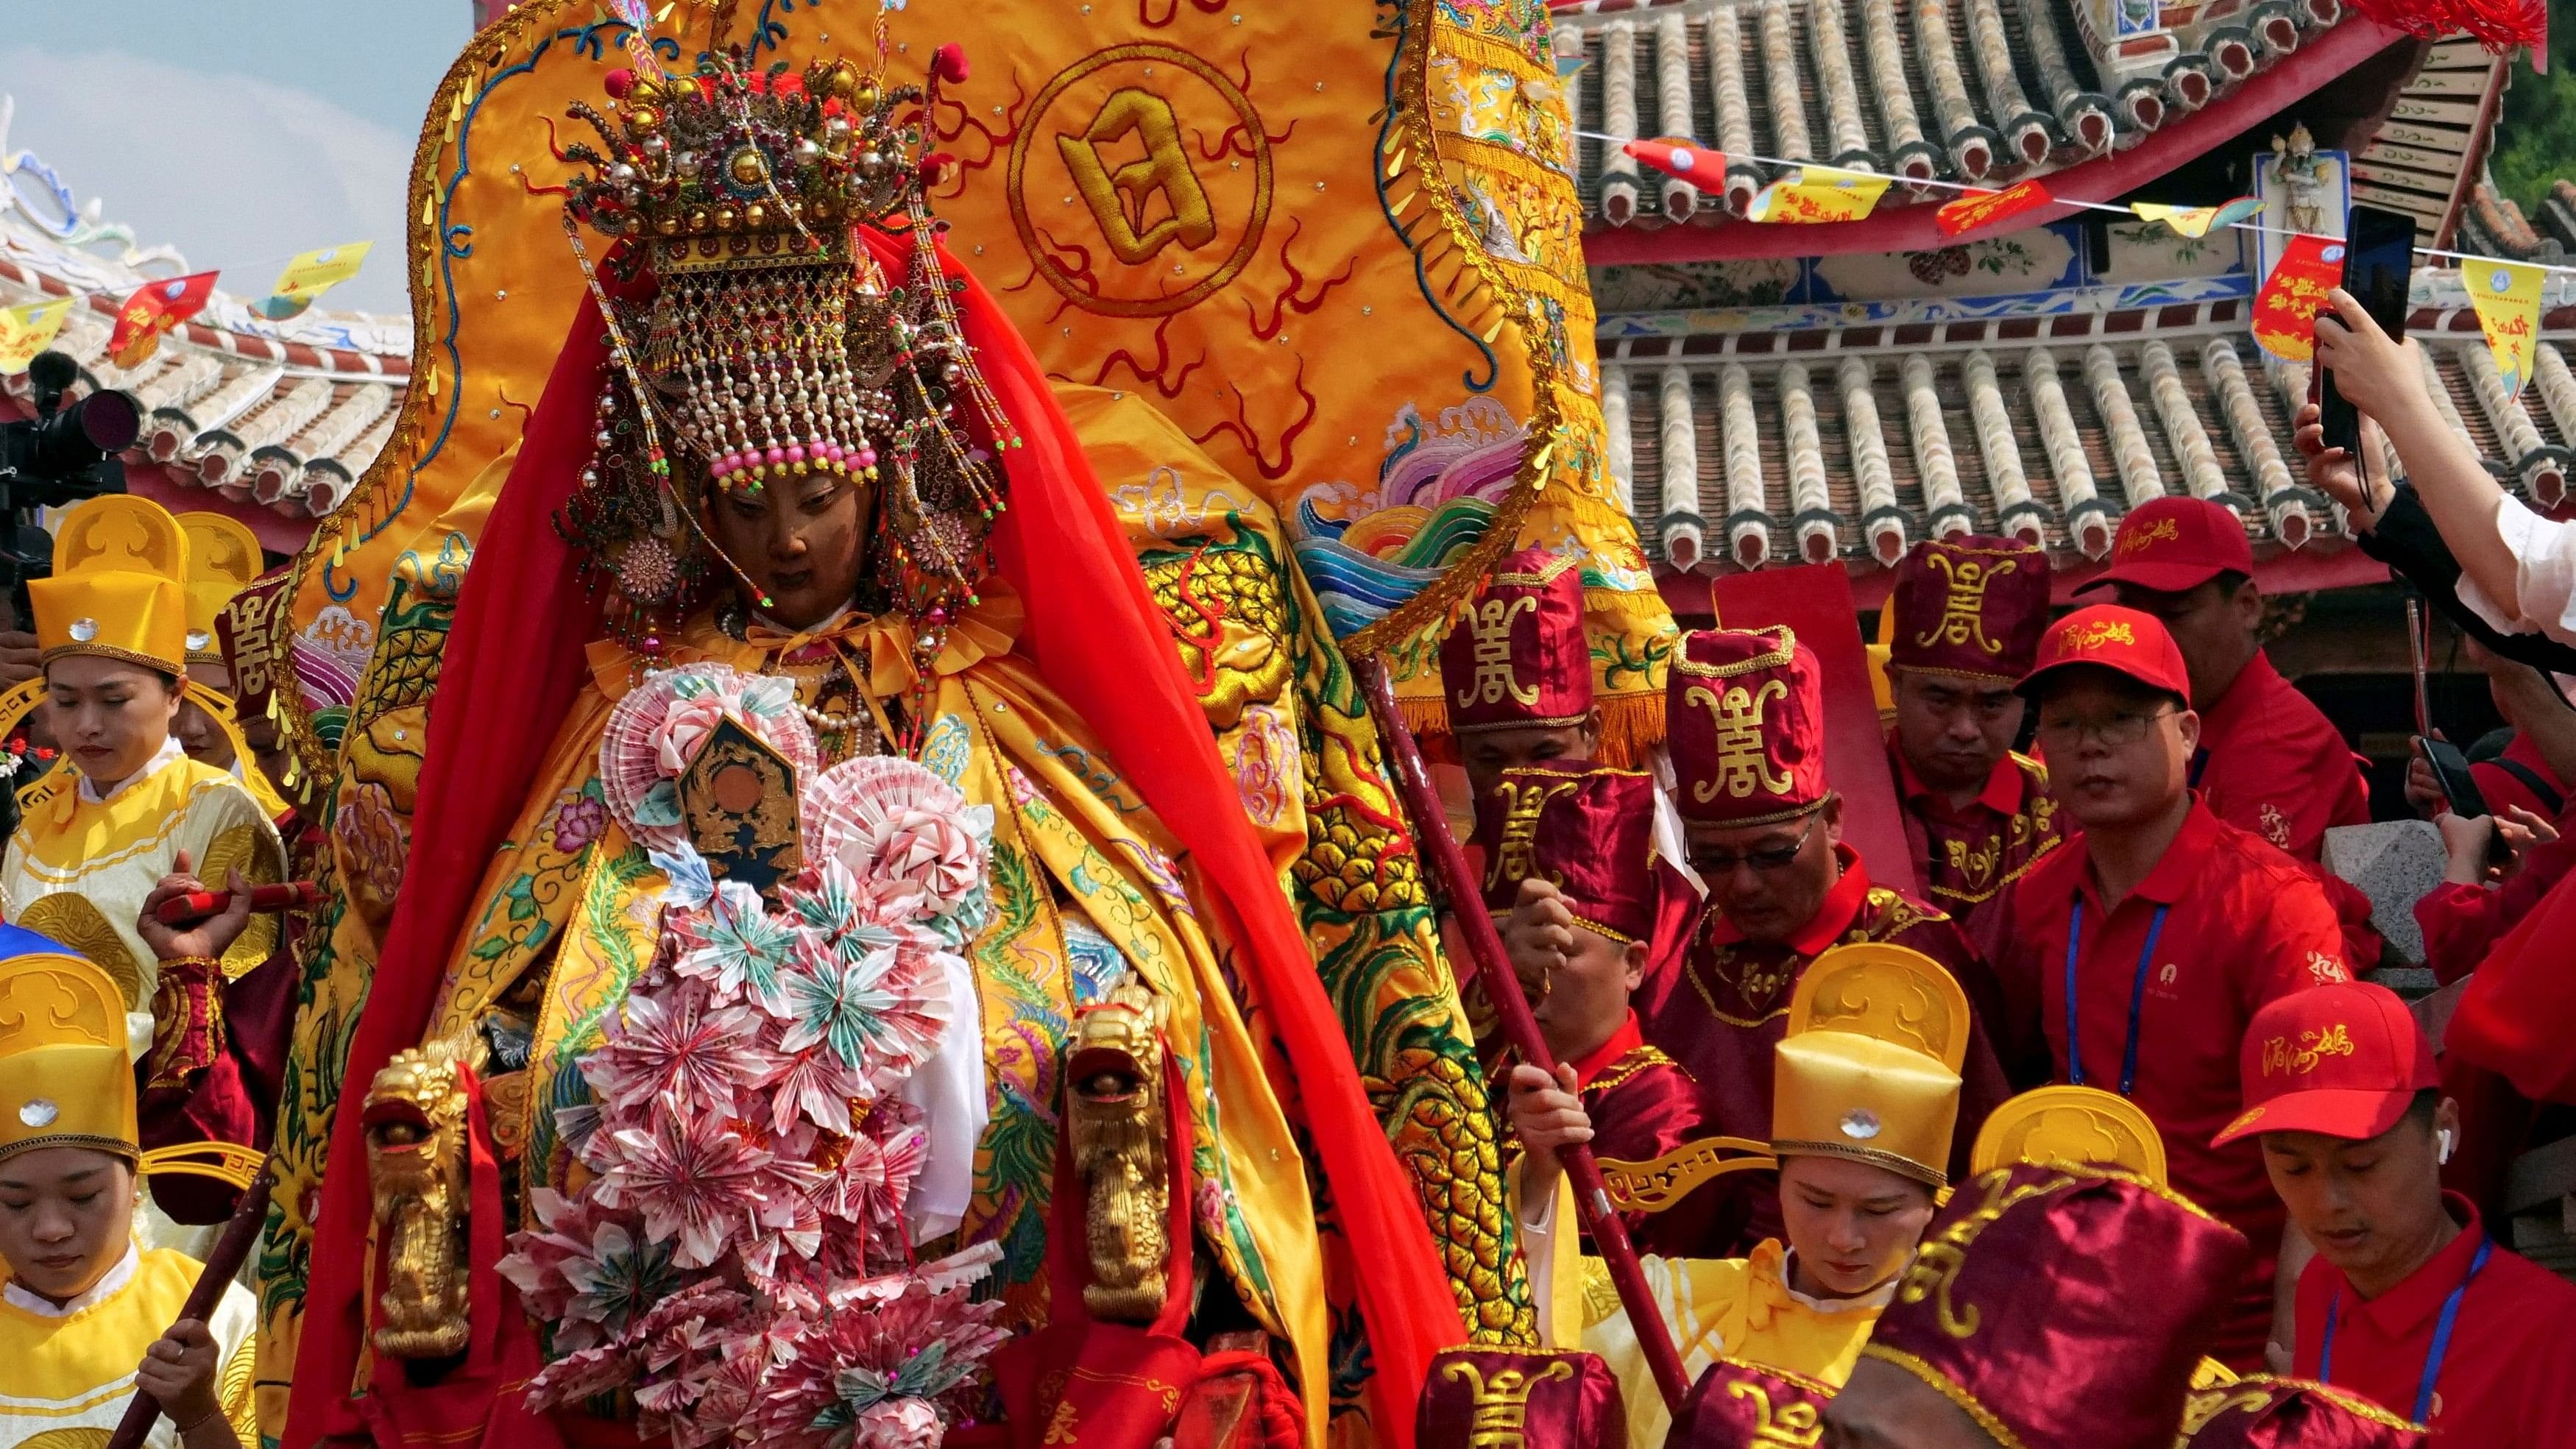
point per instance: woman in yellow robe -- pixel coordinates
(1867, 1100)
(88, 1317)
(97, 834)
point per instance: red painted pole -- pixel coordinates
(1449, 864)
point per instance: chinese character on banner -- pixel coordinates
(1986, 208)
(2285, 311)
(2200, 221)
(154, 309)
(309, 276)
(28, 329)
(1819, 194)
(2507, 296)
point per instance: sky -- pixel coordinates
(238, 131)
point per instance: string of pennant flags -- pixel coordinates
(2504, 293)
(157, 307)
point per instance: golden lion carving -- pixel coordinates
(1114, 1111)
(415, 1129)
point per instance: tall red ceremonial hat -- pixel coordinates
(2262, 1412)
(2173, 544)
(1745, 721)
(2063, 1307)
(1969, 607)
(1587, 829)
(1738, 1405)
(2125, 640)
(1519, 656)
(1528, 1397)
(2344, 1059)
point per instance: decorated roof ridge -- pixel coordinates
(2006, 89)
(2497, 225)
(1750, 447)
(279, 420)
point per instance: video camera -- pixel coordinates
(60, 456)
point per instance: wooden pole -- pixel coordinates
(1449, 866)
(241, 1234)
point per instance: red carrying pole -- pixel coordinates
(232, 1250)
(1449, 864)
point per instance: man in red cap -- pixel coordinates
(2408, 1302)
(1744, 719)
(1582, 836)
(2140, 948)
(1968, 614)
(2270, 761)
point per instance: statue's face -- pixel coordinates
(802, 543)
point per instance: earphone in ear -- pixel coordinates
(2442, 1144)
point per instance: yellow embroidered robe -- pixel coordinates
(78, 870)
(568, 901)
(69, 1378)
(1741, 1307)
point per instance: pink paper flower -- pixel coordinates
(693, 1178)
(675, 1046)
(936, 853)
(818, 1086)
(881, 1014)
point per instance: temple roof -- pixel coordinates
(272, 422)
(1793, 434)
(1984, 91)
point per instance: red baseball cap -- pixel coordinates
(2345, 1059)
(2133, 643)
(2172, 544)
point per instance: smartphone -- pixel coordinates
(2378, 269)
(2451, 772)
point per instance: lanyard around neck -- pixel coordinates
(2442, 1327)
(2137, 997)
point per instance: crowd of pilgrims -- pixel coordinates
(2118, 1056)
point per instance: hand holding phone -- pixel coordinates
(2378, 269)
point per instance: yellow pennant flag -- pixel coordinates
(309, 276)
(2507, 296)
(28, 329)
(2199, 221)
(1818, 194)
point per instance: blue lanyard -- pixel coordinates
(2137, 998)
(2433, 1356)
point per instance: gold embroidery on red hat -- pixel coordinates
(1742, 762)
(1495, 678)
(2163, 530)
(2312, 1049)
(1795, 1426)
(1936, 1265)
(1501, 1404)
(1516, 858)
(2094, 634)
(1963, 610)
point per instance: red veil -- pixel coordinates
(514, 665)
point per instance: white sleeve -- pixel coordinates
(2544, 552)
(1538, 1248)
(949, 1090)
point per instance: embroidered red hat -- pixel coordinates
(1970, 607)
(2062, 1307)
(2263, 1412)
(2172, 544)
(1519, 656)
(2345, 1059)
(2133, 643)
(1587, 829)
(1558, 1400)
(1744, 718)
(1739, 1405)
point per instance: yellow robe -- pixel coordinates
(1743, 1308)
(570, 897)
(77, 870)
(69, 1377)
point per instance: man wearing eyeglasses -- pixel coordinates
(2269, 760)
(1967, 615)
(1745, 723)
(2140, 949)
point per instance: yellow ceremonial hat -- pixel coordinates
(119, 586)
(65, 1078)
(223, 558)
(1870, 1067)
(2085, 1126)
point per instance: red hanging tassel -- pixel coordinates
(2499, 25)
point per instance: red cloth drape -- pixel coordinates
(2518, 1016)
(514, 665)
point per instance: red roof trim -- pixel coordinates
(1913, 229)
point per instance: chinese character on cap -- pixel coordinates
(2122, 640)
(2345, 1059)
(1518, 656)
(1588, 830)
(1745, 720)
(2172, 544)
(1970, 607)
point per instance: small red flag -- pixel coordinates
(1986, 208)
(2285, 311)
(154, 309)
(1690, 164)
